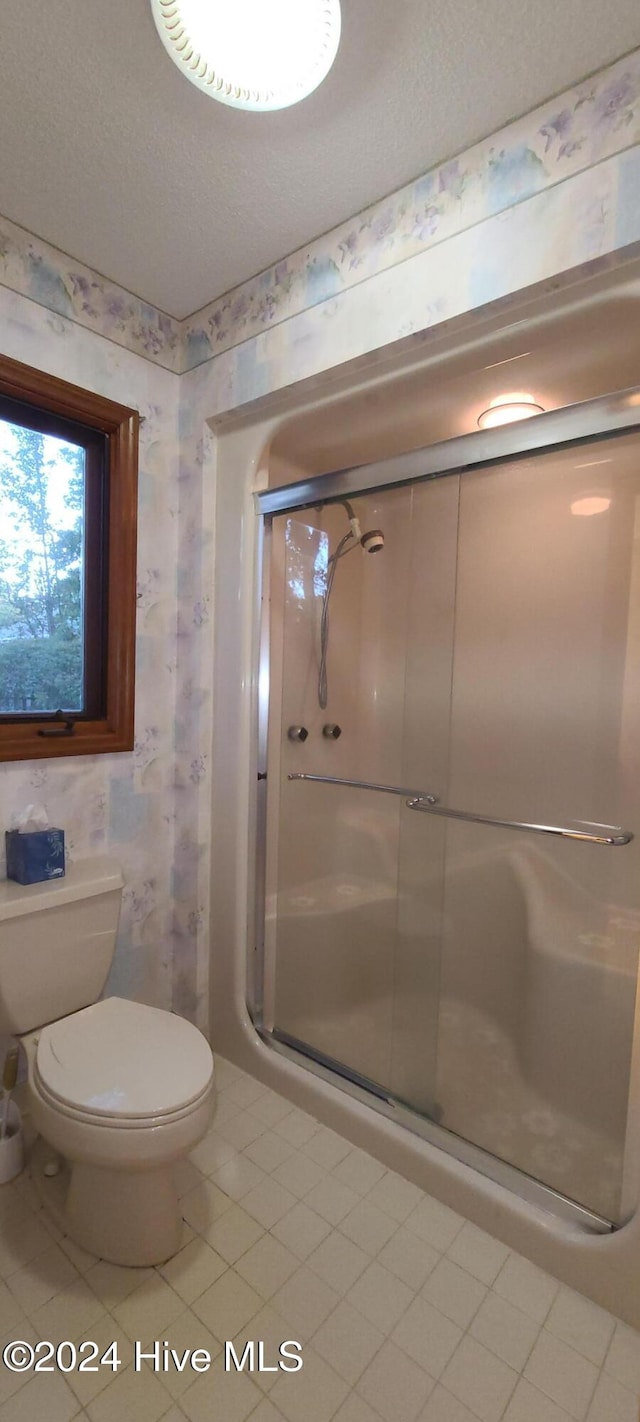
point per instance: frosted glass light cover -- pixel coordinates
(505, 409)
(251, 54)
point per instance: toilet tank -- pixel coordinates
(57, 942)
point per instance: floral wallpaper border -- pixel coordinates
(595, 120)
(47, 276)
(575, 131)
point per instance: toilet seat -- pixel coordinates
(122, 1064)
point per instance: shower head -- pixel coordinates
(373, 541)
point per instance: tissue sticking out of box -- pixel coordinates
(33, 817)
(35, 848)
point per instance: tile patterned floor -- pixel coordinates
(407, 1312)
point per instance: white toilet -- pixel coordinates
(119, 1090)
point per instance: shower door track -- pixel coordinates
(571, 425)
(602, 418)
(516, 1181)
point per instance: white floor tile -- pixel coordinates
(444, 1407)
(193, 1270)
(268, 1202)
(338, 1261)
(227, 1306)
(267, 1265)
(131, 1394)
(355, 1409)
(410, 1258)
(149, 1309)
(505, 1330)
(46, 1396)
(184, 1335)
(67, 1313)
(454, 1292)
(368, 1227)
(564, 1375)
(241, 1129)
(347, 1341)
(299, 1174)
(298, 1128)
(202, 1206)
(231, 1397)
(12, 1382)
(79, 1257)
(381, 1297)
(301, 1230)
(435, 1223)
(270, 1108)
(311, 1395)
(478, 1253)
(582, 1324)
(269, 1328)
(359, 1171)
(331, 1200)
(45, 1276)
(612, 1402)
(623, 1359)
(305, 1301)
(245, 1090)
(483, 1382)
(211, 1153)
(269, 1151)
(530, 1405)
(237, 1176)
(526, 1286)
(266, 1412)
(87, 1385)
(18, 1246)
(394, 1386)
(327, 1148)
(427, 1336)
(226, 1072)
(233, 1234)
(398, 1197)
(329, 1247)
(111, 1283)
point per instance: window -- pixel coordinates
(68, 502)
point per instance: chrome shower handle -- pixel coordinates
(590, 834)
(428, 805)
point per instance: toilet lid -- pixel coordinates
(119, 1058)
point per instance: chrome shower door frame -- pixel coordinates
(572, 425)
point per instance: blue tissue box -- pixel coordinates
(35, 856)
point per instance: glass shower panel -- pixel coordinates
(346, 924)
(540, 935)
(488, 656)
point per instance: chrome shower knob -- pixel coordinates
(331, 732)
(297, 733)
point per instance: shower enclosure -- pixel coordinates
(451, 854)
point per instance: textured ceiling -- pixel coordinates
(108, 153)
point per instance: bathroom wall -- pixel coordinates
(551, 197)
(124, 804)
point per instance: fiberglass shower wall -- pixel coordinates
(489, 656)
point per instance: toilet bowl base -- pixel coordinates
(130, 1218)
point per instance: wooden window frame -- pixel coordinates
(112, 681)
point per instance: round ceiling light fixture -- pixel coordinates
(507, 408)
(251, 54)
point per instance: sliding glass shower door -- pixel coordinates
(482, 676)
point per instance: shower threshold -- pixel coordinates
(526, 1187)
